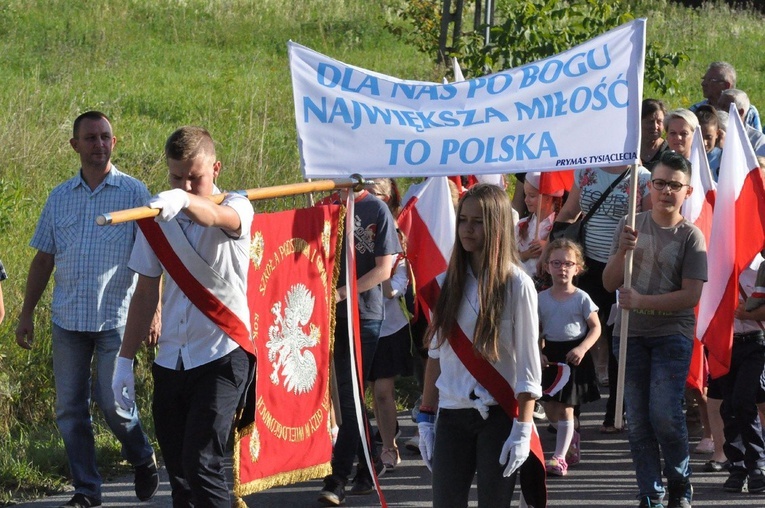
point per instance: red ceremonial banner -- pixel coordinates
(291, 287)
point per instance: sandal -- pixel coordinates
(609, 429)
(556, 466)
(390, 458)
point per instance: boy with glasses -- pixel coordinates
(669, 270)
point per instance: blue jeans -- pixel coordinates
(348, 445)
(654, 387)
(73, 354)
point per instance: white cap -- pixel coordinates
(533, 179)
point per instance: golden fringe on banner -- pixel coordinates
(335, 276)
(290, 477)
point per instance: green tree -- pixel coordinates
(530, 30)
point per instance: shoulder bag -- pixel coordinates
(575, 231)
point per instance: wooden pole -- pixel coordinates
(278, 191)
(624, 329)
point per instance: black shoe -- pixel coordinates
(712, 466)
(82, 501)
(736, 480)
(146, 480)
(333, 492)
(362, 485)
(756, 481)
(680, 494)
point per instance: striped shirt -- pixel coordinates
(599, 229)
(93, 284)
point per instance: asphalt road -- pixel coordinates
(604, 478)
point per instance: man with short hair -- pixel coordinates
(721, 76)
(93, 286)
(741, 100)
(206, 353)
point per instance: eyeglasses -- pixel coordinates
(659, 185)
(557, 264)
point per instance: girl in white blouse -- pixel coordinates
(488, 300)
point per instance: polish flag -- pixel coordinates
(428, 220)
(697, 209)
(738, 234)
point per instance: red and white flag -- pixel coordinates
(698, 209)
(699, 206)
(738, 234)
(428, 220)
(562, 375)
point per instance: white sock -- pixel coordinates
(564, 437)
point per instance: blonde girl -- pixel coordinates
(484, 288)
(569, 326)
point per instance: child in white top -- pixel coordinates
(531, 233)
(569, 324)
(488, 298)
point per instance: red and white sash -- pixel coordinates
(214, 296)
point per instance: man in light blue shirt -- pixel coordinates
(93, 286)
(721, 76)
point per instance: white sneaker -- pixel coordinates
(413, 444)
(539, 411)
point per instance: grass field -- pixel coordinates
(153, 65)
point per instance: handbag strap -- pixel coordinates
(604, 196)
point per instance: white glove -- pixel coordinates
(170, 204)
(516, 449)
(427, 441)
(123, 383)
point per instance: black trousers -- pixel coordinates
(467, 444)
(591, 282)
(193, 414)
(742, 387)
(348, 446)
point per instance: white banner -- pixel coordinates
(580, 108)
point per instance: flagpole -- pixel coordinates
(624, 330)
(277, 191)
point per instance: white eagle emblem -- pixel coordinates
(287, 341)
